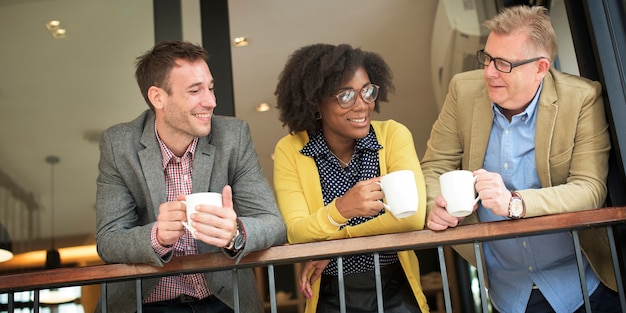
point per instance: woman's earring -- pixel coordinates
(318, 116)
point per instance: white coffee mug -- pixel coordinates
(400, 193)
(195, 199)
(457, 187)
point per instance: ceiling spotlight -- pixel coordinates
(53, 25)
(263, 107)
(240, 41)
(59, 33)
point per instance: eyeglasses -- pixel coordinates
(501, 65)
(347, 98)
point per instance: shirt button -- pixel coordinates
(506, 165)
(530, 268)
(524, 244)
(506, 131)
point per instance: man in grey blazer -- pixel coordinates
(148, 165)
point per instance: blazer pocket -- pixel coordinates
(560, 165)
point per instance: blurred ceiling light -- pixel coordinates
(59, 295)
(58, 32)
(240, 41)
(263, 107)
(52, 25)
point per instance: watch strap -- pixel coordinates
(238, 241)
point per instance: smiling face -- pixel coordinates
(184, 113)
(343, 126)
(513, 91)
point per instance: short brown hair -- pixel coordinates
(153, 67)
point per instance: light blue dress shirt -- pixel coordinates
(547, 261)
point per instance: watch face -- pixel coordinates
(239, 241)
(516, 207)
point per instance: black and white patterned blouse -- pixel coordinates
(336, 181)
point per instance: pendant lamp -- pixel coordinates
(54, 296)
(53, 258)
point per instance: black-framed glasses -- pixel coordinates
(501, 65)
(346, 98)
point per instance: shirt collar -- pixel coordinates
(317, 144)
(168, 155)
(529, 112)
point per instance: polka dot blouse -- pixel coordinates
(336, 181)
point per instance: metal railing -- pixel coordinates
(290, 254)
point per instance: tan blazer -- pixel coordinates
(572, 151)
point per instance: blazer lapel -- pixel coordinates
(546, 120)
(152, 166)
(482, 120)
(203, 165)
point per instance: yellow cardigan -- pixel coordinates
(299, 196)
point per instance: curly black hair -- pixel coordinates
(314, 73)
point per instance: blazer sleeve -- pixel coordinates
(574, 177)
(253, 196)
(123, 224)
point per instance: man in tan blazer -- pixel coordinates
(537, 141)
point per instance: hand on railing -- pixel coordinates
(311, 271)
(439, 219)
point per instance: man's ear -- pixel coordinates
(543, 67)
(157, 96)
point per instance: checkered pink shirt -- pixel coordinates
(178, 181)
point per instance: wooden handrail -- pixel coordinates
(288, 254)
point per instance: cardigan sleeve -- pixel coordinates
(299, 195)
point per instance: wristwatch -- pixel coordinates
(238, 241)
(516, 206)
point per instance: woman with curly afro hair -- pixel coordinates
(326, 174)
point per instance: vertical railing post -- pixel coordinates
(236, 290)
(138, 295)
(481, 278)
(444, 279)
(272, 285)
(36, 301)
(103, 296)
(581, 270)
(379, 287)
(616, 268)
(11, 304)
(342, 291)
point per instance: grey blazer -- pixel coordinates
(131, 186)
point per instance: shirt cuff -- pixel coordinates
(159, 249)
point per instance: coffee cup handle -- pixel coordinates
(187, 224)
(379, 184)
(477, 197)
(384, 204)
